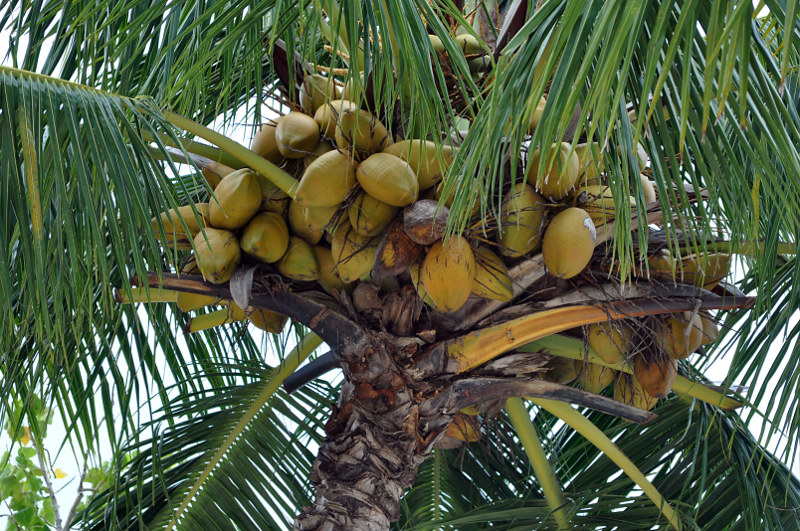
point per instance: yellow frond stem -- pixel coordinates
(211, 320)
(145, 294)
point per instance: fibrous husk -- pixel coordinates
(298, 225)
(628, 391)
(448, 272)
(299, 262)
(425, 221)
(389, 179)
(396, 252)
(297, 135)
(273, 199)
(329, 277)
(353, 253)
(316, 90)
(655, 374)
(594, 378)
(521, 217)
(568, 243)
(369, 216)
(492, 280)
(175, 235)
(267, 320)
(559, 176)
(327, 180)
(559, 370)
(189, 302)
(610, 341)
(265, 237)
(217, 253)
(428, 163)
(265, 144)
(237, 199)
(327, 116)
(360, 129)
(681, 335)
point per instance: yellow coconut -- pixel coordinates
(560, 174)
(265, 144)
(329, 277)
(628, 391)
(396, 252)
(297, 135)
(568, 243)
(681, 335)
(492, 280)
(360, 129)
(189, 302)
(353, 253)
(369, 216)
(590, 163)
(316, 90)
(298, 225)
(322, 148)
(706, 270)
(656, 375)
(327, 180)
(464, 428)
(448, 272)
(267, 320)
(389, 179)
(236, 200)
(218, 254)
(414, 273)
(273, 199)
(327, 115)
(594, 378)
(560, 370)
(299, 262)
(610, 341)
(214, 172)
(710, 329)
(521, 217)
(174, 233)
(265, 237)
(428, 163)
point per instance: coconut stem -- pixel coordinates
(596, 436)
(526, 431)
(274, 174)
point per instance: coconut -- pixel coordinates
(360, 129)
(237, 199)
(299, 226)
(428, 163)
(327, 115)
(656, 375)
(568, 243)
(492, 280)
(189, 302)
(425, 221)
(321, 149)
(436, 44)
(273, 199)
(265, 237)
(329, 277)
(560, 370)
(369, 216)
(536, 114)
(681, 336)
(648, 189)
(326, 181)
(389, 179)
(628, 391)
(594, 378)
(265, 144)
(521, 217)
(414, 273)
(217, 253)
(214, 172)
(353, 253)
(174, 234)
(299, 262)
(297, 135)
(464, 428)
(316, 90)
(610, 341)
(710, 329)
(448, 272)
(468, 44)
(559, 176)
(266, 320)
(396, 252)
(590, 163)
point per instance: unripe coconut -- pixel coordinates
(598, 201)
(594, 378)
(560, 175)
(706, 270)
(265, 237)
(610, 341)
(428, 164)
(681, 336)
(238, 198)
(329, 277)
(448, 272)
(521, 217)
(656, 375)
(389, 179)
(273, 199)
(214, 172)
(360, 129)
(560, 370)
(297, 135)
(175, 235)
(327, 115)
(590, 163)
(326, 181)
(218, 254)
(369, 216)
(265, 144)
(536, 114)
(492, 280)
(568, 243)
(468, 44)
(316, 90)
(298, 225)
(436, 44)
(353, 253)
(628, 391)
(352, 91)
(272, 322)
(321, 149)
(299, 262)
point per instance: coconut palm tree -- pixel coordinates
(111, 112)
